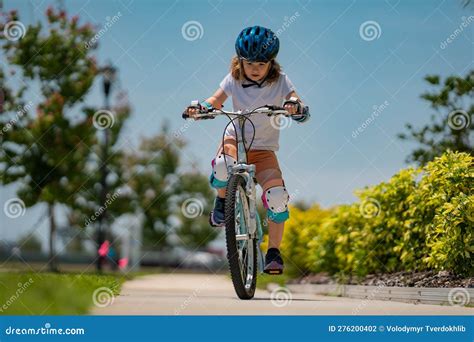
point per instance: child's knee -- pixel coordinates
(275, 199)
(219, 175)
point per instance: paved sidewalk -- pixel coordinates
(201, 294)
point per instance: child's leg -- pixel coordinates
(230, 148)
(219, 178)
(275, 234)
(268, 179)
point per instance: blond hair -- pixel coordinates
(237, 70)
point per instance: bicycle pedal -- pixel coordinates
(274, 272)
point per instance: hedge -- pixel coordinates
(421, 219)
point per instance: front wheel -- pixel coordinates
(241, 248)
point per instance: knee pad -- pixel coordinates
(219, 176)
(275, 200)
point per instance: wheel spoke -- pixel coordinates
(241, 235)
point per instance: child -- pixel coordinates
(256, 80)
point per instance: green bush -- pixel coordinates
(299, 230)
(451, 241)
(377, 246)
(442, 180)
(420, 219)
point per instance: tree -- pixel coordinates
(196, 201)
(451, 126)
(29, 243)
(90, 211)
(151, 173)
(47, 153)
(171, 202)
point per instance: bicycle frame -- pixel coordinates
(248, 172)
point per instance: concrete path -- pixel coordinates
(202, 294)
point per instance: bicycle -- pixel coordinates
(243, 228)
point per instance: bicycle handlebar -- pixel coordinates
(269, 110)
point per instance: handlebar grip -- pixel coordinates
(202, 117)
(205, 117)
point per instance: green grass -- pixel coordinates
(23, 293)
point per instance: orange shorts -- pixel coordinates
(267, 169)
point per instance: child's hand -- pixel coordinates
(198, 108)
(291, 108)
(191, 111)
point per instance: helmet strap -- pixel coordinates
(253, 83)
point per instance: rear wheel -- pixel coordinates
(241, 249)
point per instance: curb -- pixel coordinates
(458, 296)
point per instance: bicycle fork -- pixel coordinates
(255, 230)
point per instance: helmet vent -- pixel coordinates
(257, 44)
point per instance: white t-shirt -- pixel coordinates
(266, 134)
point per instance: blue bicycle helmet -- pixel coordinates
(257, 44)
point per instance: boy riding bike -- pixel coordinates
(255, 80)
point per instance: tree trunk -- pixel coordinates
(53, 266)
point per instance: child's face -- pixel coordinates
(256, 71)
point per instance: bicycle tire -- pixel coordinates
(244, 289)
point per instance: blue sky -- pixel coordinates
(340, 75)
